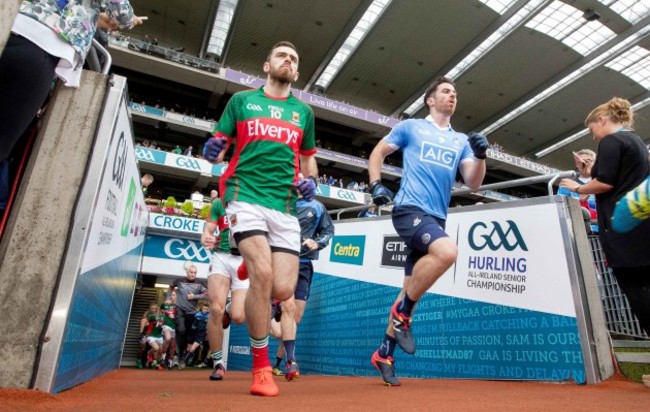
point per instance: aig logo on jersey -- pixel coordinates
(439, 155)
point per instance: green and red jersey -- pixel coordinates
(218, 217)
(270, 135)
(169, 312)
(154, 328)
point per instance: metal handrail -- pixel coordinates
(551, 178)
(92, 54)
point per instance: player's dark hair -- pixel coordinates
(434, 87)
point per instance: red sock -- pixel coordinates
(260, 357)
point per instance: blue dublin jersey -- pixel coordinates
(431, 157)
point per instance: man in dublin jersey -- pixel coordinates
(432, 152)
(274, 140)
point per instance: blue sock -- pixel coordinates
(406, 306)
(289, 349)
(278, 362)
(387, 346)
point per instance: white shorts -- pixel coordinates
(282, 231)
(158, 341)
(225, 264)
(170, 329)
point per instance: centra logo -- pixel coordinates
(481, 235)
(348, 249)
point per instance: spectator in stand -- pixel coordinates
(584, 160)
(331, 181)
(622, 165)
(188, 289)
(146, 143)
(177, 150)
(188, 151)
(323, 179)
(198, 332)
(146, 180)
(154, 145)
(214, 195)
(363, 187)
(340, 183)
(48, 39)
(371, 211)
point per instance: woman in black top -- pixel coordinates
(621, 165)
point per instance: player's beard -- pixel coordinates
(281, 76)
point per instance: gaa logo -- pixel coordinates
(144, 154)
(495, 237)
(188, 163)
(346, 195)
(186, 250)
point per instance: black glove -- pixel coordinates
(307, 188)
(380, 193)
(213, 147)
(478, 143)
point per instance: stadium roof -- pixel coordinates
(527, 71)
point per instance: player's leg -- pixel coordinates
(428, 268)
(431, 254)
(218, 287)
(257, 257)
(303, 288)
(238, 291)
(293, 309)
(279, 354)
(284, 238)
(181, 336)
(288, 328)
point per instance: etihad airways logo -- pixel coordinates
(258, 128)
(481, 235)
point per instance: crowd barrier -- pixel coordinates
(521, 302)
(618, 315)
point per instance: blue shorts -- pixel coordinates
(419, 230)
(305, 274)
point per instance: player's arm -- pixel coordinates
(376, 159)
(308, 166)
(380, 194)
(172, 286)
(473, 172)
(325, 230)
(207, 237)
(224, 151)
(144, 322)
(472, 166)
